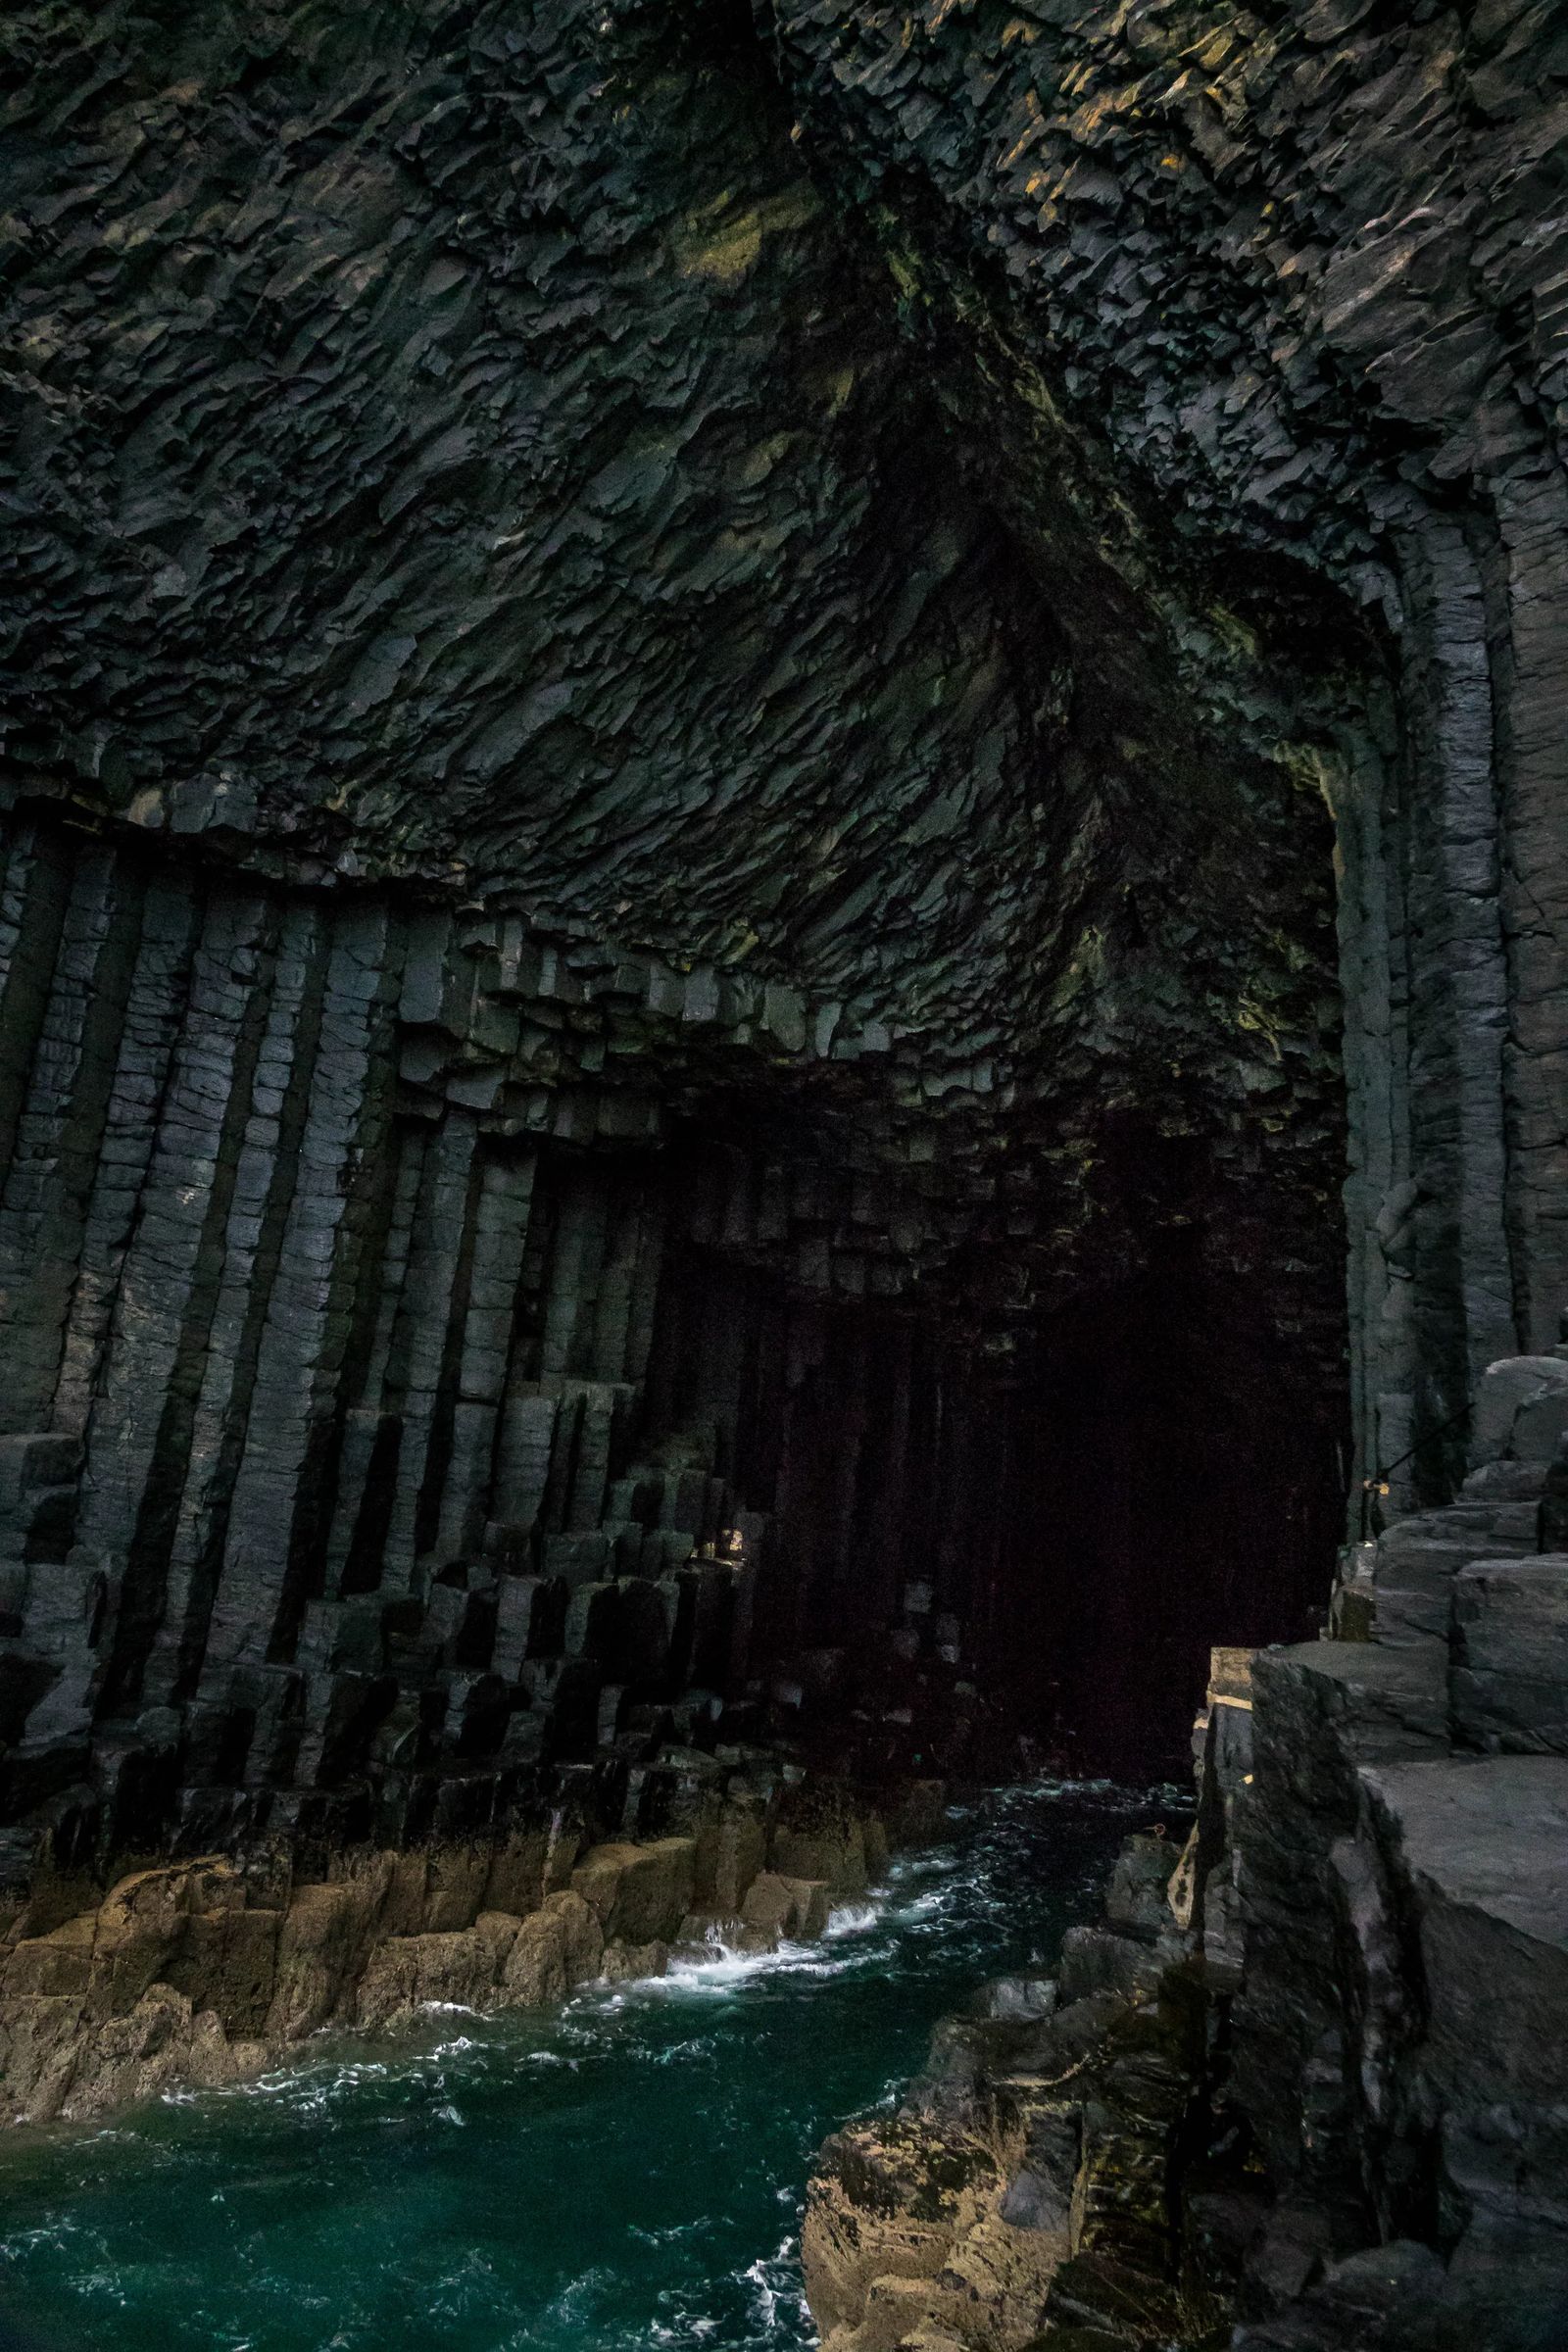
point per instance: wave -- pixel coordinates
(854, 1919)
(763, 2307)
(724, 1971)
(623, 2174)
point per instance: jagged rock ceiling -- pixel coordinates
(1291, 280)
(744, 738)
(680, 688)
(471, 446)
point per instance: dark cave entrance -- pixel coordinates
(1189, 1490)
(972, 1567)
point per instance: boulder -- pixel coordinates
(1521, 1410)
(582, 1938)
(536, 1973)
(1322, 1710)
(556, 1948)
(778, 1906)
(639, 1893)
(1509, 1683)
(624, 1963)
(410, 1972)
(1418, 1559)
(1478, 1848)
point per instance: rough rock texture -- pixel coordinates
(1029, 2188)
(629, 993)
(681, 690)
(1313, 2079)
(1392, 1907)
(577, 513)
(1288, 279)
(203, 1972)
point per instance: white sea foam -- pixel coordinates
(53, 2233)
(775, 2310)
(718, 1969)
(922, 1906)
(292, 2082)
(776, 2288)
(669, 2237)
(722, 1969)
(854, 1919)
(962, 1896)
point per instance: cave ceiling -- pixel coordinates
(768, 767)
(877, 509)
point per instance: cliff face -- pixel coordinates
(683, 694)
(1288, 279)
(467, 448)
(1291, 278)
(639, 979)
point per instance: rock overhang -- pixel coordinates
(590, 540)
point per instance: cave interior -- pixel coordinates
(758, 796)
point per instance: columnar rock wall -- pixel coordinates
(870, 534)
(380, 1368)
(1382, 1905)
(678, 685)
(1303, 2090)
(622, 982)
(1289, 281)
(464, 449)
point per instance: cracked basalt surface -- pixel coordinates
(471, 448)
(1302, 2090)
(1291, 279)
(683, 692)
(637, 962)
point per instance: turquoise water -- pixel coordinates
(623, 2174)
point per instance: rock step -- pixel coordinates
(1510, 1677)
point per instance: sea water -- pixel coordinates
(624, 2174)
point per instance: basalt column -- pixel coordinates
(1291, 278)
(655, 916)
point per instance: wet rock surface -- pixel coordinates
(1026, 2191)
(683, 694)
(1304, 2087)
(205, 1971)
